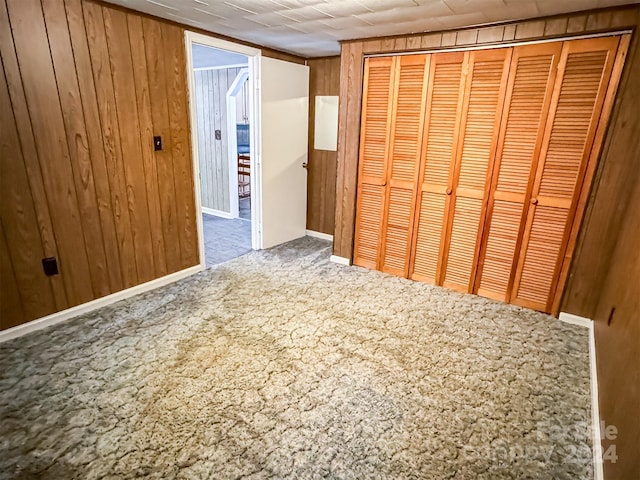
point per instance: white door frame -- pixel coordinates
(253, 55)
(232, 139)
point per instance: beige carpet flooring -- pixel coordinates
(280, 364)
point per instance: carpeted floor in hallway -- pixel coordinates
(280, 364)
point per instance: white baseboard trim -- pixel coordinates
(323, 236)
(72, 312)
(340, 260)
(217, 213)
(575, 319)
(598, 467)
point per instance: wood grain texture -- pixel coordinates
(41, 91)
(75, 128)
(22, 250)
(79, 173)
(324, 79)
(30, 156)
(86, 85)
(175, 67)
(101, 67)
(617, 346)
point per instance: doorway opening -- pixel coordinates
(223, 128)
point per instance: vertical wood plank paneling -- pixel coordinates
(78, 144)
(211, 88)
(117, 34)
(20, 227)
(32, 49)
(143, 101)
(97, 42)
(351, 63)
(30, 155)
(159, 90)
(175, 67)
(91, 115)
(324, 79)
(11, 312)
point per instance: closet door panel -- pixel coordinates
(529, 88)
(443, 108)
(583, 77)
(404, 159)
(484, 97)
(374, 143)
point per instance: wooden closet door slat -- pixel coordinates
(445, 90)
(374, 146)
(529, 88)
(404, 160)
(484, 97)
(583, 77)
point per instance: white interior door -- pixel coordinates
(284, 133)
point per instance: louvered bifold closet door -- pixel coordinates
(443, 108)
(581, 84)
(482, 106)
(404, 161)
(374, 145)
(531, 79)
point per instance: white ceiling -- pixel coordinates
(312, 28)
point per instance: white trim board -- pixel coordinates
(73, 312)
(323, 236)
(598, 467)
(340, 260)
(216, 213)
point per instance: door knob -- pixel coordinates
(534, 201)
(449, 191)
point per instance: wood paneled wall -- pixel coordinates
(324, 79)
(87, 87)
(607, 270)
(618, 343)
(211, 88)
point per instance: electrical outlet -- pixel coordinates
(50, 266)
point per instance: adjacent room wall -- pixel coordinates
(211, 88)
(324, 79)
(85, 87)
